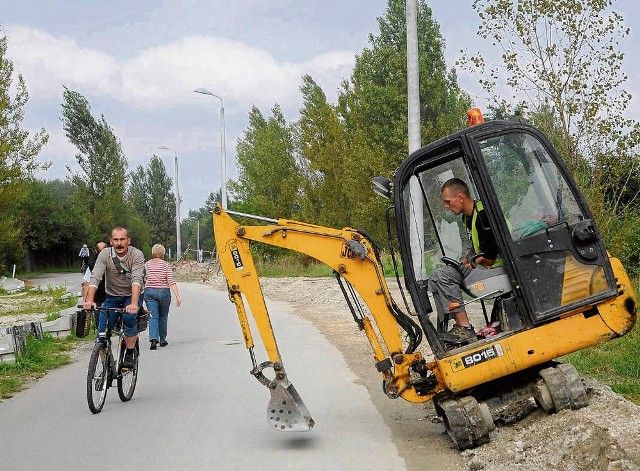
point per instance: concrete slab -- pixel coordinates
(7, 348)
(60, 327)
(11, 284)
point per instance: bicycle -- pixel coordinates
(104, 367)
(83, 266)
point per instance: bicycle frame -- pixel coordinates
(110, 367)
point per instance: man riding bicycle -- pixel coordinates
(122, 267)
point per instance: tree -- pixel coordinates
(18, 152)
(562, 65)
(102, 176)
(337, 166)
(374, 100)
(268, 177)
(152, 199)
(49, 221)
(324, 154)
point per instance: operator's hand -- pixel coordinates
(485, 262)
(131, 309)
(89, 305)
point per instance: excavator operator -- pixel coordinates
(447, 281)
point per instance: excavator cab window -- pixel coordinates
(550, 248)
(555, 245)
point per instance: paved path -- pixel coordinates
(197, 407)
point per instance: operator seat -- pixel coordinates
(480, 283)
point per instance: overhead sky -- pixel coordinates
(138, 62)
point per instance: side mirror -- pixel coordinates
(382, 187)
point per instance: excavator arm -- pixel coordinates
(353, 258)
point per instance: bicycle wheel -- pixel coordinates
(127, 378)
(97, 377)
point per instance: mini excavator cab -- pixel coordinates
(554, 261)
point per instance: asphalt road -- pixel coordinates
(197, 407)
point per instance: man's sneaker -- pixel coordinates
(164, 344)
(154, 344)
(460, 335)
(128, 362)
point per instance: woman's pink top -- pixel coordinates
(159, 274)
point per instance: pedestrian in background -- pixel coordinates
(84, 258)
(157, 295)
(101, 294)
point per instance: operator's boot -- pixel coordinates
(459, 335)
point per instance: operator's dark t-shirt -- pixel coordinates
(101, 294)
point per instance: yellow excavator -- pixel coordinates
(557, 290)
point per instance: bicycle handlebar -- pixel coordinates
(112, 309)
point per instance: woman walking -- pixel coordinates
(157, 295)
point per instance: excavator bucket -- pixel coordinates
(286, 411)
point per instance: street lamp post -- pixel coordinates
(178, 244)
(223, 151)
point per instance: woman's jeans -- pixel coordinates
(158, 301)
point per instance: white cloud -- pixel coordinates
(47, 63)
(166, 75)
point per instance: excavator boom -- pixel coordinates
(354, 260)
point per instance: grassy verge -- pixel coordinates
(39, 356)
(298, 265)
(615, 363)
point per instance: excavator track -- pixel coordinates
(466, 422)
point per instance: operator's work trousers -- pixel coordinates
(445, 285)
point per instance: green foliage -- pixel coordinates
(324, 175)
(36, 301)
(102, 176)
(374, 100)
(18, 153)
(268, 178)
(199, 227)
(613, 363)
(150, 194)
(52, 224)
(324, 156)
(291, 264)
(38, 357)
(623, 241)
(337, 166)
(562, 61)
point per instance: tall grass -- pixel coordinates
(615, 363)
(291, 265)
(38, 357)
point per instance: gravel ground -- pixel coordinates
(603, 436)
